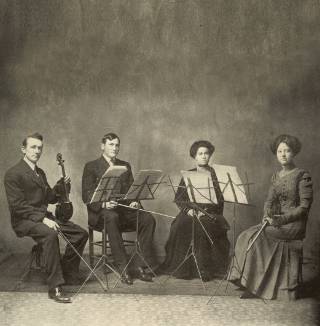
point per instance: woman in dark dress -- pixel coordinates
(211, 258)
(271, 268)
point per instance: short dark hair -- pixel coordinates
(109, 136)
(35, 135)
(292, 141)
(201, 143)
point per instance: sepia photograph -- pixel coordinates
(160, 162)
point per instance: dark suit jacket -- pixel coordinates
(28, 196)
(92, 173)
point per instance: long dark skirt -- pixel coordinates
(212, 259)
(270, 269)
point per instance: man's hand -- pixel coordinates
(200, 214)
(134, 204)
(67, 179)
(51, 224)
(109, 204)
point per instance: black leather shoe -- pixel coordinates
(57, 295)
(144, 276)
(247, 295)
(126, 278)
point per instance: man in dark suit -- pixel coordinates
(117, 218)
(29, 194)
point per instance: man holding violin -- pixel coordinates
(29, 194)
(118, 218)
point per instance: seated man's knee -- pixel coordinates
(148, 219)
(85, 235)
(110, 216)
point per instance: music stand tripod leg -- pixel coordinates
(92, 271)
(26, 269)
(187, 256)
(194, 252)
(190, 253)
(136, 244)
(124, 270)
(136, 252)
(104, 257)
(232, 261)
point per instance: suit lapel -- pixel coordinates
(32, 175)
(102, 167)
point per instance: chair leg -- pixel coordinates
(104, 252)
(91, 248)
(37, 251)
(28, 267)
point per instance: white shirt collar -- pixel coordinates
(108, 159)
(31, 164)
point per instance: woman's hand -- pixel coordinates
(275, 221)
(191, 212)
(51, 224)
(269, 220)
(265, 218)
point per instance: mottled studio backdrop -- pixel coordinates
(161, 74)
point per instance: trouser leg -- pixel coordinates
(146, 227)
(48, 238)
(115, 238)
(78, 237)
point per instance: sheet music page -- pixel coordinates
(222, 174)
(202, 185)
(138, 191)
(108, 185)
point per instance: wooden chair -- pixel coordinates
(104, 244)
(295, 259)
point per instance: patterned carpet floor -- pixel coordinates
(29, 309)
(163, 302)
(12, 269)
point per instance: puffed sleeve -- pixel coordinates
(305, 191)
(305, 201)
(271, 200)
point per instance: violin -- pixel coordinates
(64, 208)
